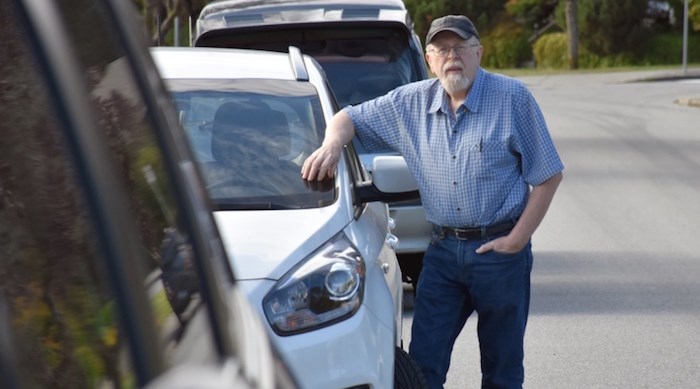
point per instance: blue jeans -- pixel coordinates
(454, 283)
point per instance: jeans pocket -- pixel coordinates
(503, 257)
(520, 255)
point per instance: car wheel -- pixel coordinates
(407, 373)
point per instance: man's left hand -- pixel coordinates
(502, 245)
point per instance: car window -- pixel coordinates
(250, 138)
(60, 300)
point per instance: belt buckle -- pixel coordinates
(463, 233)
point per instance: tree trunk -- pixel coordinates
(572, 32)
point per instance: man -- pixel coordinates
(487, 170)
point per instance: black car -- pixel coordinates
(366, 48)
(112, 272)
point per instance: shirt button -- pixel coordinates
(454, 157)
(459, 209)
(454, 183)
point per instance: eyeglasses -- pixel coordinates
(459, 49)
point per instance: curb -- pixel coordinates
(689, 101)
(673, 76)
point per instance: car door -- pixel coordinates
(112, 273)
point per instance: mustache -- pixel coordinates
(453, 64)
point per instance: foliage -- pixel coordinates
(423, 12)
(610, 27)
(89, 50)
(694, 14)
(482, 12)
(159, 18)
(610, 31)
(506, 45)
(550, 51)
(533, 13)
(667, 48)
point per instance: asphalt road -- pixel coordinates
(616, 280)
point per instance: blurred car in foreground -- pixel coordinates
(366, 48)
(315, 258)
(112, 274)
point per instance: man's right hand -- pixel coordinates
(322, 163)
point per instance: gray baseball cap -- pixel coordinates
(459, 24)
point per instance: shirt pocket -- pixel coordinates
(491, 159)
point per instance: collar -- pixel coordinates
(440, 100)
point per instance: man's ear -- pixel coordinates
(428, 58)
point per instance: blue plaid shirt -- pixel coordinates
(474, 169)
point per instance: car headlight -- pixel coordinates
(323, 289)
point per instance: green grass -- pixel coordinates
(524, 72)
(521, 72)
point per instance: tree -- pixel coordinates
(159, 16)
(610, 27)
(423, 12)
(482, 12)
(694, 14)
(537, 14)
(571, 12)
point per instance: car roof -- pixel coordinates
(218, 63)
(240, 13)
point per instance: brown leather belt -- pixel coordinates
(480, 232)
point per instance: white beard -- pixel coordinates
(454, 83)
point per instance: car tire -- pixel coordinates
(407, 373)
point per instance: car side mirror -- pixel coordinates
(390, 174)
(391, 181)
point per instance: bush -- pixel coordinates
(667, 48)
(550, 51)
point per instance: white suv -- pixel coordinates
(366, 48)
(315, 258)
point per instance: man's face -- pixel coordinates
(454, 60)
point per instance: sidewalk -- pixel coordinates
(616, 77)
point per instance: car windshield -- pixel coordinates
(355, 80)
(250, 138)
(361, 62)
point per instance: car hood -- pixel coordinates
(266, 244)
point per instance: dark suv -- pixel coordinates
(112, 273)
(366, 48)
